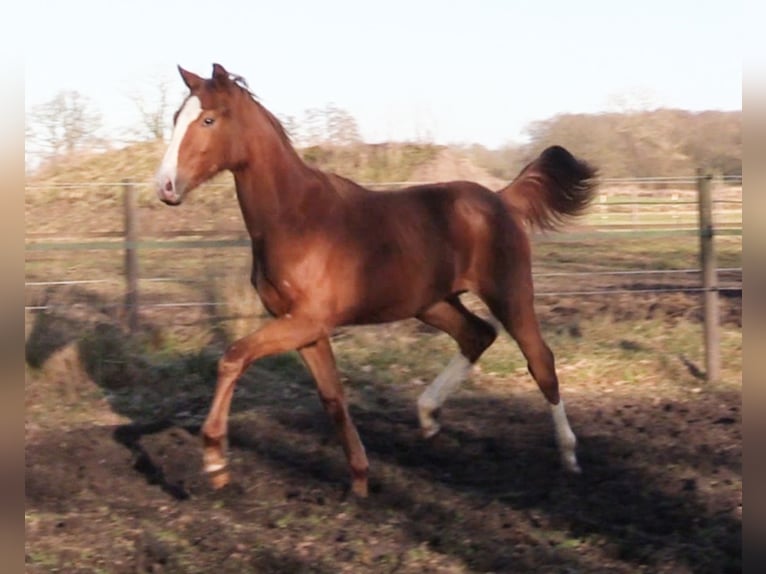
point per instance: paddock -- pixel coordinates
(113, 480)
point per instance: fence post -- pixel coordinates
(709, 277)
(131, 255)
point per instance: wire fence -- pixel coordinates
(652, 212)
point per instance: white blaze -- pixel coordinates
(190, 111)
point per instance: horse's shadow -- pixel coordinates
(629, 507)
(155, 393)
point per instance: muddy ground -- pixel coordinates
(118, 489)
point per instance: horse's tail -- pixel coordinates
(551, 189)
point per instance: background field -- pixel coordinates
(113, 480)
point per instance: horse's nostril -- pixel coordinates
(169, 186)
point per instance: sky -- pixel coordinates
(444, 71)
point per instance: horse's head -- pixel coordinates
(205, 138)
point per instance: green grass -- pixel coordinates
(130, 378)
(644, 352)
(630, 254)
(680, 219)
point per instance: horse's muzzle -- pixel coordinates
(168, 193)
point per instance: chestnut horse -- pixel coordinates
(327, 252)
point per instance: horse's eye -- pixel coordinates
(208, 121)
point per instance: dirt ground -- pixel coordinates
(661, 488)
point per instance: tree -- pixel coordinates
(661, 142)
(291, 126)
(329, 125)
(154, 112)
(340, 127)
(312, 132)
(66, 124)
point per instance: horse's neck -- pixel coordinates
(277, 188)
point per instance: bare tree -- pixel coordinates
(291, 126)
(312, 128)
(66, 124)
(340, 126)
(154, 109)
(329, 125)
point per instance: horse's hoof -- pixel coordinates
(571, 466)
(219, 478)
(429, 421)
(431, 430)
(359, 488)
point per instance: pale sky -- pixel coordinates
(446, 71)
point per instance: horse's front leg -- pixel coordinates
(284, 334)
(321, 362)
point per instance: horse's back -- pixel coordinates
(432, 202)
(437, 237)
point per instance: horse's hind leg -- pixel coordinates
(517, 314)
(321, 362)
(473, 336)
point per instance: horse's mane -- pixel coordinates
(343, 186)
(241, 83)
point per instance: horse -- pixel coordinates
(327, 252)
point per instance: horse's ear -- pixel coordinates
(192, 81)
(220, 75)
